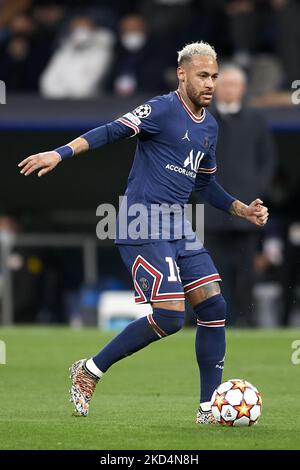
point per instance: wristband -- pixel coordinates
(65, 151)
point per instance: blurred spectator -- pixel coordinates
(49, 18)
(252, 29)
(291, 273)
(27, 47)
(288, 210)
(137, 64)
(288, 37)
(242, 26)
(246, 160)
(169, 21)
(262, 36)
(80, 64)
(174, 23)
(17, 64)
(25, 268)
(266, 26)
(11, 8)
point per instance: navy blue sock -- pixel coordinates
(138, 335)
(210, 344)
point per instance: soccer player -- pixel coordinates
(175, 152)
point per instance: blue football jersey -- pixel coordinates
(174, 147)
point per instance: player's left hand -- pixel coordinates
(256, 213)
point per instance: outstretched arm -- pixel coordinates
(98, 137)
(47, 161)
(146, 118)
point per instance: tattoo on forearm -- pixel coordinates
(238, 209)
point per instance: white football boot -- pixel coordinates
(82, 388)
(205, 416)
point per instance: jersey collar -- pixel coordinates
(190, 113)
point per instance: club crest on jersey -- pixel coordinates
(144, 283)
(142, 111)
(193, 161)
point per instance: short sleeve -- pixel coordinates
(147, 117)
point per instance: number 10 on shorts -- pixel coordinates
(174, 270)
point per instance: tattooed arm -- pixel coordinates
(255, 213)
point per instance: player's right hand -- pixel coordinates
(44, 162)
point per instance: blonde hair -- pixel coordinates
(200, 48)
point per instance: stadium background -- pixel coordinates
(52, 267)
(35, 118)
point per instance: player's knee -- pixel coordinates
(211, 311)
(168, 321)
(175, 324)
(176, 305)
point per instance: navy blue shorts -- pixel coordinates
(165, 270)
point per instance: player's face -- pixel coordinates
(199, 78)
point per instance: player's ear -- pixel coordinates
(181, 73)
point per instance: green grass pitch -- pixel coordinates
(147, 401)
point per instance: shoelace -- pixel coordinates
(210, 418)
(206, 416)
(85, 382)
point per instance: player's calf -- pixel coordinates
(137, 335)
(210, 350)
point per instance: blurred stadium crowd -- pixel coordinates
(86, 49)
(81, 48)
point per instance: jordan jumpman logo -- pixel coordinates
(186, 136)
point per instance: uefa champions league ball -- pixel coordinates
(236, 403)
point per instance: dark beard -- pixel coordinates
(194, 98)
